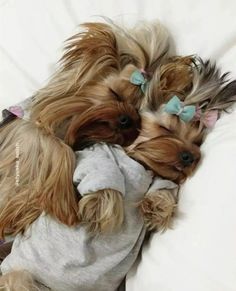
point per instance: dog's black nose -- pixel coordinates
(125, 121)
(186, 158)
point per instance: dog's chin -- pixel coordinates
(171, 170)
(180, 175)
(175, 173)
(104, 134)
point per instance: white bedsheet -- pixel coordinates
(200, 253)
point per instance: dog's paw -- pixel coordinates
(19, 281)
(158, 209)
(102, 211)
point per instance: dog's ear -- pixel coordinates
(173, 77)
(145, 45)
(46, 167)
(90, 56)
(57, 197)
(211, 89)
(92, 49)
(207, 82)
(176, 75)
(225, 98)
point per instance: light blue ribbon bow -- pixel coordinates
(137, 78)
(176, 107)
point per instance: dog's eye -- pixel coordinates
(198, 143)
(166, 130)
(118, 97)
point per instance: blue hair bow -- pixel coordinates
(176, 107)
(138, 78)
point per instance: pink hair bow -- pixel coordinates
(17, 110)
(208, 118)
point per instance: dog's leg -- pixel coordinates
(19, 281)
(102, 211)
(158, 209)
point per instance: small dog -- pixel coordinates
(170, 147)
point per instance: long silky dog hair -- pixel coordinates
(95, 71)
(97, 62)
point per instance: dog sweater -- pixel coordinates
(70, 259)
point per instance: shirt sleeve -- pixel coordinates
(96, 170)
(159, 183)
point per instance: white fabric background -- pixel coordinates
(199, 254)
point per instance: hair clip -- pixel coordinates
(17, 111)
(208, 118)
(22, 109)
(176, 107)
(138, 78)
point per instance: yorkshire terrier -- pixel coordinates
(173, 131)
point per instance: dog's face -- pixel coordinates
(167, 145)
(112, 122)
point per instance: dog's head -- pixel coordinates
(95, 70)
(167, 146)
(170, 145)
(114, 122)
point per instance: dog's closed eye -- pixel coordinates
(198, 142)
(165, 130)
(117, 96)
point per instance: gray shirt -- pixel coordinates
(68, 258)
